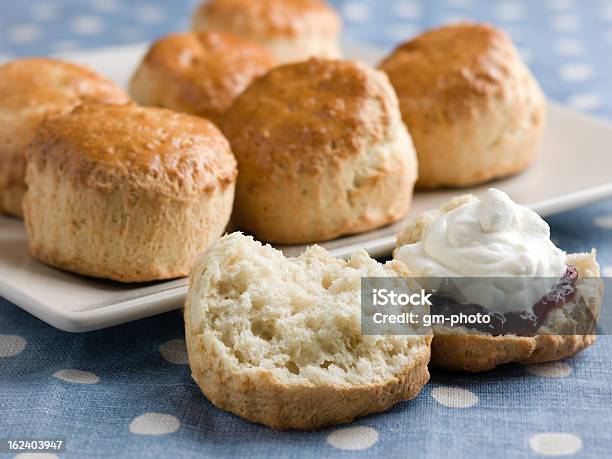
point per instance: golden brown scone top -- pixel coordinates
(104, 146)
(458, 65)
(210, 68)
(298, 116)
(42, 83)
(262, 18)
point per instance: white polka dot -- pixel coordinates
(149, 14)
(406, 10)
(454, 397)
(550, 370)
(568, 47)
(44, 12)
(36, 456)
(565, 22)
(401, 32)
(604, 221)
(607, 271)
(154, 424)
(175, 352)
(586, 101)
(353, 438)
(24, 33)
(555, 443)
(355, 12)
(510, 11)
(560, 5)
(105, 6)
(575, 73)
(11, 345)
(77, 376)
(87, 25)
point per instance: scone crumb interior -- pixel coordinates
(298, 318)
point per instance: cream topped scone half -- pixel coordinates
(493, 257)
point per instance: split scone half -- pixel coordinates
(561, 323)
(278, 341)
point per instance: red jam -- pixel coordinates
(514, 323)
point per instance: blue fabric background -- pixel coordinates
(567, 43)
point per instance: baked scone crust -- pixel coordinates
(198, 73)
(269, 17)
(322, 152)
(461, 350)
(127, 193)
(259, 394)
(292, 30)
(31, 90)
(483, 353)
(259, 397)
(473, 108)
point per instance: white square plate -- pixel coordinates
(574, 168)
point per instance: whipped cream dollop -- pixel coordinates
(495, 238)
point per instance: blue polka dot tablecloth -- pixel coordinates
(127, 391)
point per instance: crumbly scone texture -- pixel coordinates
(322, 152)
(198, 73)
(127, 193)
(278, 341)
(31, 90)
(460, 349)
(291, 30)
(473, 108)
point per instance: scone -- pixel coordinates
(127, 193)
(292, 30)
(278, 341)
(474, 110)
(322, 152)
(198, 73)
(31, 90)
(549, 301)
